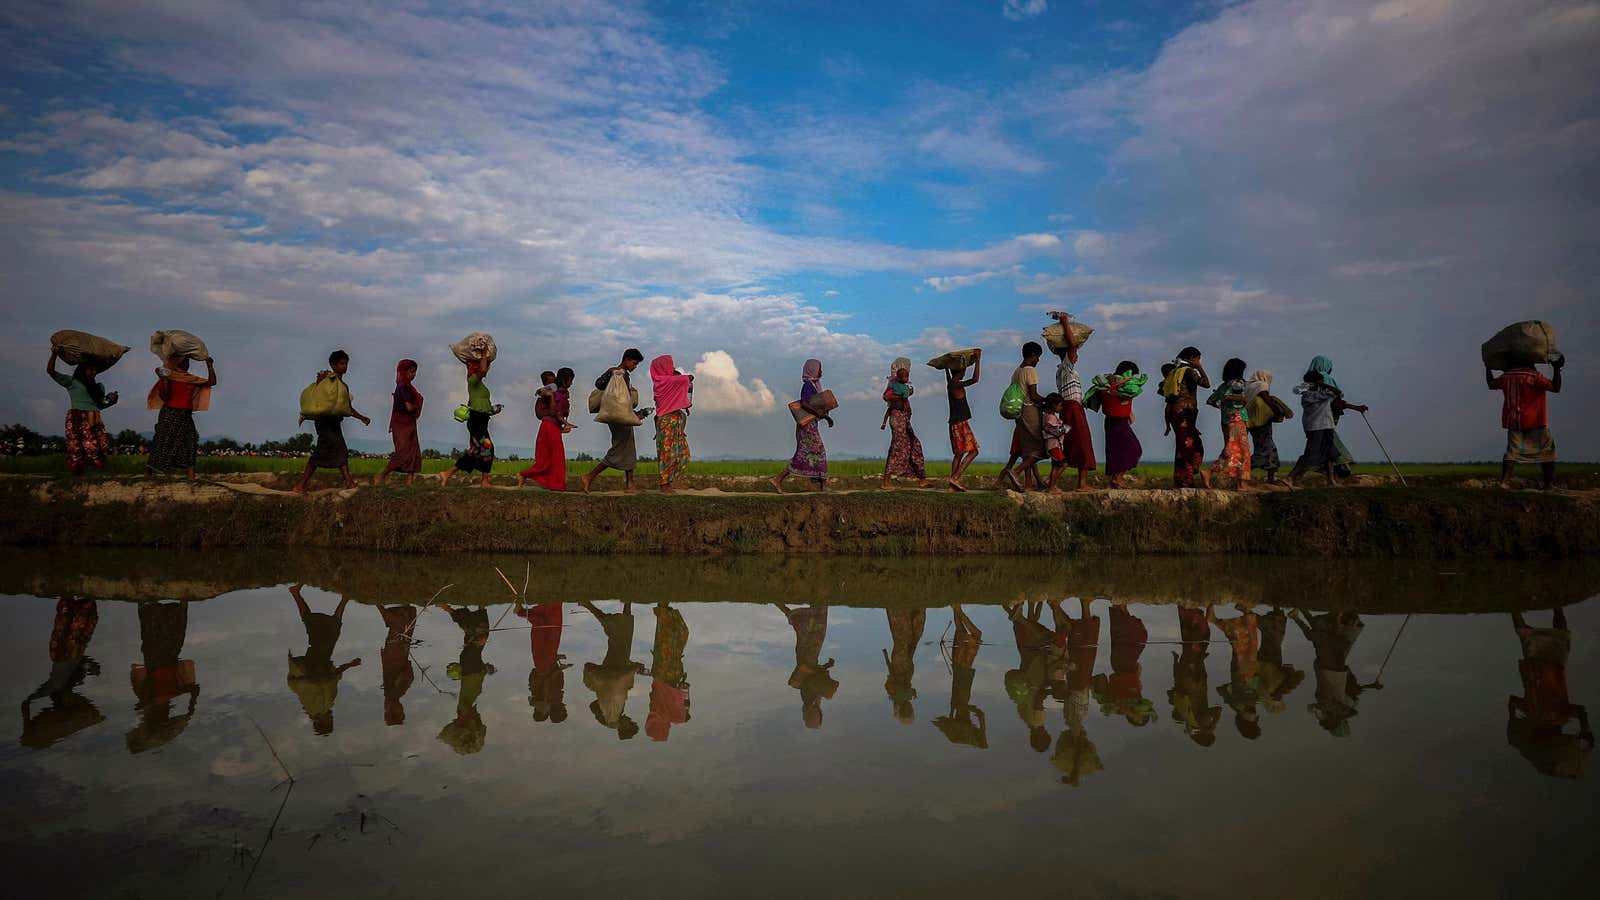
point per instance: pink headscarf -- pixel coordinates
(672, 389)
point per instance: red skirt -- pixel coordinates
(549, 467)
(1077, 444)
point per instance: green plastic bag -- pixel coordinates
(325, 397)
(1011, 401)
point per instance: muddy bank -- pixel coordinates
(1361, 522)
(1368, 586)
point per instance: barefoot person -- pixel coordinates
(479, 456)
(87, 443)
(178, 395)
(624, 454)
(331, 451)
(963, 443)
(1076, 444)
(1526, 419)
(674, 392)
(1262, 411)
(1113, 395)
(1321, 402)
(407, 456)
(1230, 399)
(1179, 386)
(553, 407)
(905, 449)
(1027, 442)
(810, 459)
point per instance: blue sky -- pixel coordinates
(746, 185)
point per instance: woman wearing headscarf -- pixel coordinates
(1229, 398)
(178, 395)
(810, 459)
(905, 449)
(553, 409)
(407, 455)
(674, 395)
(1262, 411)
(480, 449)
(1322, 403)
(87, 443)
(1181, 380)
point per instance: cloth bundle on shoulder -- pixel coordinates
(617, 403)
(1130, 388)
(821, 404)
(1056, 336)
(955, 359)
(167, 344)
(474, 347)
(77, 346)
(1522, 344)
(325, 397)
(1011, 401)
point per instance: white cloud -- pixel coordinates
(943, 283)
(1090, 244)
(717, 388)
(1020, 10)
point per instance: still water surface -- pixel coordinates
(676, 728)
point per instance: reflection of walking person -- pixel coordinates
(466, 732)
(964, 724)
(612, 679)
(1539, 732)
(905, 632)
(163, 677)
(669, 687)
(401, 622)
(811, 677)
(69, 712)
(312, 676)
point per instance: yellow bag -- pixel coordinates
(325, 397)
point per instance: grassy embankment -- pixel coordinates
(1153, 474)
(1368, 522)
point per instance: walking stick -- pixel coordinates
(1385, 450)
(1377, 682)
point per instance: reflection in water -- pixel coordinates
(1240, 693)
(1189, 694)
(398, 673)
(546, 680)
(811, 677)
(612, 678)
(69, 712)
(1539, 733)
(163, 677)
(1332, 636)
(1121, 693)
(905, 633)
(964, 724)
(1075, 754)
(313, 677)
(1275, 678)
(669, 689)
(466, 732)
(1038, 662)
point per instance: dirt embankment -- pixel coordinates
(1365, 522)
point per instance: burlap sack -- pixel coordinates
(167, 344)
(955, 359)
(1055, 336)
(76, 346)
(1523, 344)
(475, 346)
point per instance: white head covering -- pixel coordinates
(1260, 381)
(899, 363)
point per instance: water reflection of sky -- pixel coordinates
(1424, 793)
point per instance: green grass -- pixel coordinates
(55, 464)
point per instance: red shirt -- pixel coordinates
(178, 394)
(1525, 402)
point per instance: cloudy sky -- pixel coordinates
(744, 185)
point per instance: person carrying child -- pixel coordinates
(1322, 402)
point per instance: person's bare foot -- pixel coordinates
(1288, 484)
(1205, 479)
(668, 489)
(444, 478)
(349, 483)
(1052, 489)
(298, 489)
(521, 479)
(956, 486)
(885, 486)
(777, 483)
(924, 483)
(586, 481)
(630, 489)
(1009, 482)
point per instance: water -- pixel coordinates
(153, 762)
